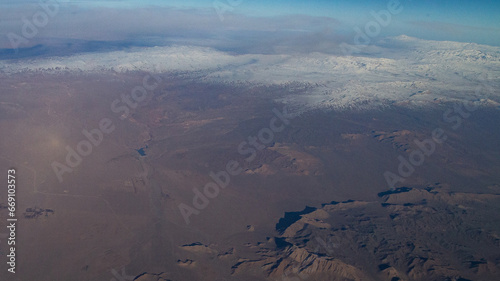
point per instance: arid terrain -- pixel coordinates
(310, 200)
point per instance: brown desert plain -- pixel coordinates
(307, 197)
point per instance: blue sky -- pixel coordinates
(474, 21)
(483, 13)
(249, 24)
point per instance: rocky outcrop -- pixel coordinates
(152, 277)
(410, 234)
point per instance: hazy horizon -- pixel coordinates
(236, 26)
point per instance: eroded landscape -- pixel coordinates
(313, 203)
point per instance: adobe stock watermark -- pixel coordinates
(372, 29)
(329, 246)
(94, 137)
(249, 148)
(31, 26)
(121, 276)
(223, 6)
(455, 117)
(296, 273)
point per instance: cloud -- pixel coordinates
(151, 26)
(450, 27)
(457, 32)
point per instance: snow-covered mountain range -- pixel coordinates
(401, 69)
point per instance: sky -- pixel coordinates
(241, 26)
(482, 13)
